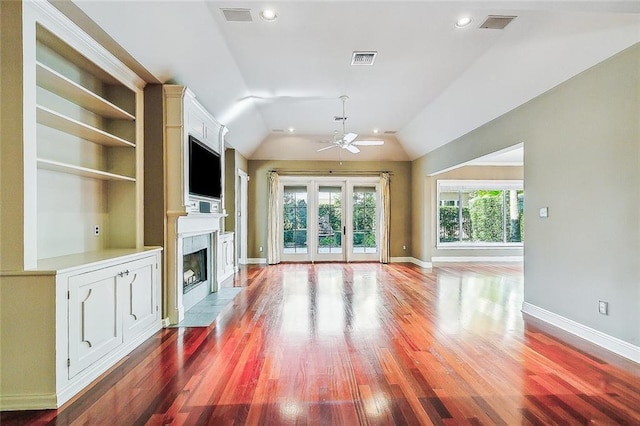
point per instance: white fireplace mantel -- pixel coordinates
(180, 226)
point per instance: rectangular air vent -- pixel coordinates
(363, 58)
(237, 14)
(497, 22)
(277, 131)
(390, 132)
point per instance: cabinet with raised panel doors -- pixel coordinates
(226, 255)
(109, 307)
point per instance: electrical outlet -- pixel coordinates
(260, 249)
(603, 307)
(96, 230)
(404, 247)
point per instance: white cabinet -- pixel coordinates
(109, 307)
(95, 320)
(85, 313)
(140, 297)
(226, 256)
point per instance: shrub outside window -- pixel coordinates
(480, 213)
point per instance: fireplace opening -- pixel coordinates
(194, 270)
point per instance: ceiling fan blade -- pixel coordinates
(349, 137)
(352, 149)
(368, 143)
(327, 147)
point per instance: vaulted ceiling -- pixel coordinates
(431, 82)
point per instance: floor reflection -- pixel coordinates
(481, 304)
(330, 301)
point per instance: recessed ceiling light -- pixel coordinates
(268, 15)
(376, 131)
(291, 129)
(463, 22)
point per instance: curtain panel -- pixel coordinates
(385, 214)
(274, 232)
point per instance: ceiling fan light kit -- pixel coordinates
(346, 140)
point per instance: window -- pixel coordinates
(480, 213)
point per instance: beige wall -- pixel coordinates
(400, 197)
(12, 196)
(233, 161)
(582, 161)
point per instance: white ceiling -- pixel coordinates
(430, 83)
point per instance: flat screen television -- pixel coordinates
(205, 170)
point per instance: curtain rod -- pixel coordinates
(330, 172)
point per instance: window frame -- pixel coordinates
(451, 185)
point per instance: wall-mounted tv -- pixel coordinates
(205, 170)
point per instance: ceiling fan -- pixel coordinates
(346, 140)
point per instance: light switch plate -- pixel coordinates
(544, 211)
(603, 307)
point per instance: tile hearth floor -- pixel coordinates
(205, 312)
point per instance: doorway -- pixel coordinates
(330, 219)
(241, 219)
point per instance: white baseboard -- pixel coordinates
(410, 260)
(452, 259)
(256, 261)
(589, 334)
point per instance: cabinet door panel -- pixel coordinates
(139, 291)
(95, 325)
(196, 125)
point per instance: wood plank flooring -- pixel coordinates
(362, 343)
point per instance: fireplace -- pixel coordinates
(198, 268)
(195, 270)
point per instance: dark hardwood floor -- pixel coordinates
(363, 343)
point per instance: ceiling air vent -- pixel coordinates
(277, 131)
(363, 58)
(237, 14)
(497, 22)
(390, 132)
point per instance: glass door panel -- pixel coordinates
(330, 223)
(364, 220)
(364, 223)
(294, 212)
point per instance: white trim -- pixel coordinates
(480, 246)
(411, 260)
(256, 261)
(589, 334)
(242, 211)
(449, 259)
(484, 184)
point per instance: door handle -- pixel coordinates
(344, 230)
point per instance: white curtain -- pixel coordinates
(274, 228)
(385, 213)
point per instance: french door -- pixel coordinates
(330, 219)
